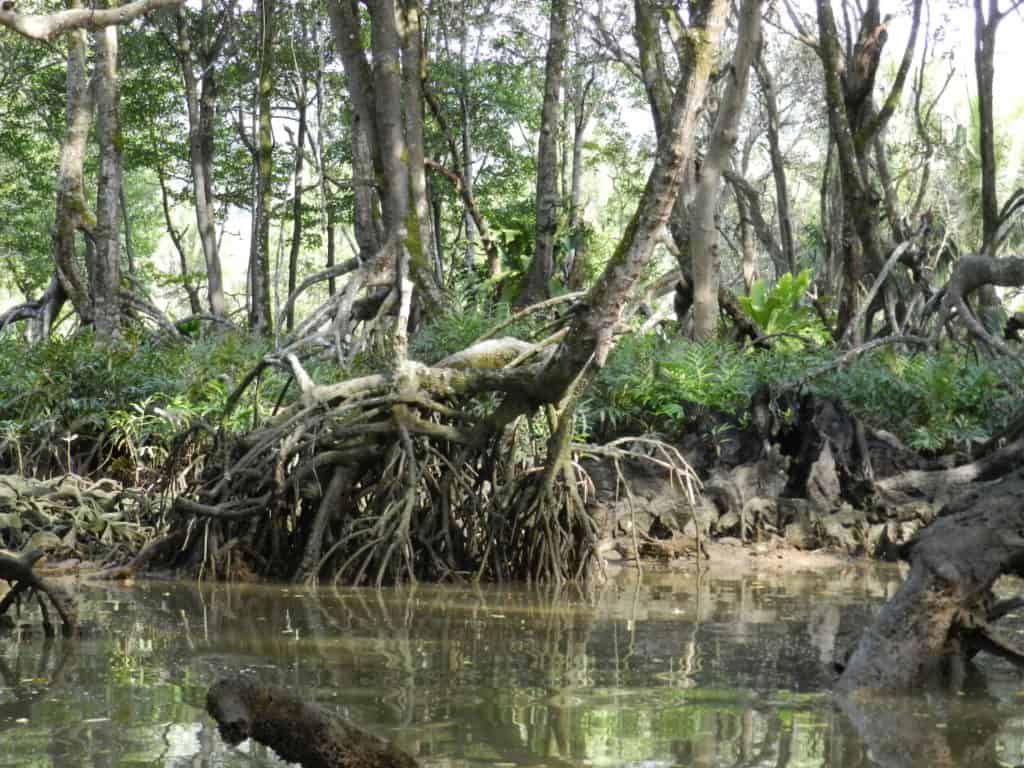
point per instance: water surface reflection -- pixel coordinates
(671, 671)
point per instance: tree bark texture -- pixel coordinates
(704, 231)
(300, 732)
(592, 333)
(201, 104)
(106, 268)
(295, 246)
(778, 162)
(72, 214)
(538, 277)
(260, 313)
(348, 41)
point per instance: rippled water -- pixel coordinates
(727, 671)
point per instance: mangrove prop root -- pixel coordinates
(298, 731)
(17, 570)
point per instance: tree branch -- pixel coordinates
(48, 26)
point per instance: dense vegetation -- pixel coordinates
(351, 288)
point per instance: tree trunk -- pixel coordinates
(778, 162)
(592, 333)
(296, 239)
(193, 293)
(853, 123)
(72, 213)
(704, 233)
(538, 277)
(106, 271)
(260, 314)
(421, 237)
(466, 125)
(984, 70)
(201, 103)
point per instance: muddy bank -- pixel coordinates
(815, 482)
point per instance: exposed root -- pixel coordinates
(17, 571)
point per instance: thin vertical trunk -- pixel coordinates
(129, 244)
(749, 255)
(420, 226)
(260, 316)
(193, 293)
(200, 100)
(536, 283)
(296, 240)
(326, 209)
(106, 272)
(332, 287)
(466, 124)
(704, 235)
(777, 161)
(575, 270)
(984, 69)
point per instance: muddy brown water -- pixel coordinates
(730, 670)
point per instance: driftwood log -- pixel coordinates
(17, 571)
(945, 611)
(300, 732)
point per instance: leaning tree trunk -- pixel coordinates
(542, 267)
(704, 232)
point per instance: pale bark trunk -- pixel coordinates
(536, 282)
(72, 213)
(466, 124)
(200, 100)
(106, 272)
(421, 243)
(704, 234)
(592, 334)
(778, 163)
(193, 293)
(260, 315)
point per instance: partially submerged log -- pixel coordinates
(945, 610)
(298, 731)
(17, 571)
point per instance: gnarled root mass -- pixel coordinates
(945, 611)
(412, 474)
(17, 571)
(298, 731)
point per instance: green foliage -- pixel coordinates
(76, 405)
(933, 403)
(778, 311)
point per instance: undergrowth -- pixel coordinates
(71, 405)
(933, 402)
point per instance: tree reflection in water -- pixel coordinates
(672, 671)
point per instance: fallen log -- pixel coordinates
(298, 731)
(945, 611)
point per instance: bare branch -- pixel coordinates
(48, 26)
